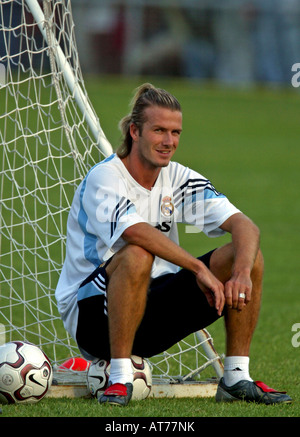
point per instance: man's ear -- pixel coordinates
(134, 131)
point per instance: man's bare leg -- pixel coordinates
(240, 325)
(129, 275)
(128, 280)
(241, 319)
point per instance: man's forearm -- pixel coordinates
(152, 240)
(246, 241)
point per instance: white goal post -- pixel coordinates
(50, 136)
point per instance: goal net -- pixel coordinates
(50, 136)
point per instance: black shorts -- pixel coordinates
(176, 307)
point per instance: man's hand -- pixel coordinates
(212, 288)
(238, 291)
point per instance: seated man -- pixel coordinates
(127, 287)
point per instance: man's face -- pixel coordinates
(159, 137)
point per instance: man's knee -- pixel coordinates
(222, 261)
(138, 258)
(134, 259)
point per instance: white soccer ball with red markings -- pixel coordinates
(25, 373)
(98, 375)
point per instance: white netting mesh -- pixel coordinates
(46, 148)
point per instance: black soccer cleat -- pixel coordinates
(250, 391)
(117, 394)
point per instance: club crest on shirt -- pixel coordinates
(167, 207)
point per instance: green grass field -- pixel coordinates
(246, 142)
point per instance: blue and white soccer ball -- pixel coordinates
(98, 375)
(25, 373)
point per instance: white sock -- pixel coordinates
(121, 370)
(236, 369)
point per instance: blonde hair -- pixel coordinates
(146, 95)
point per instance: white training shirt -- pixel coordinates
(109, 200)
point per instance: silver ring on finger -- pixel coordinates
(242, 295)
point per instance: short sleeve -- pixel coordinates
(106, 211)
(198, 203)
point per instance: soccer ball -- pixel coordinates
(25, 373)
(97, 377)
(98, 374)
(76, 364)
(142, 378)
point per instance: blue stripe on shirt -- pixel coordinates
(90, 240)
(88, 290)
